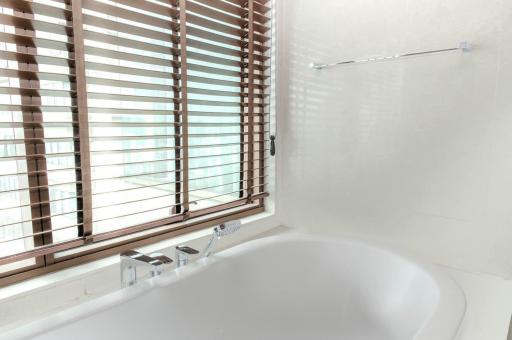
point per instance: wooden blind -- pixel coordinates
(122, 117)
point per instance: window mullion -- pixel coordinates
(184, 108)
(261, 124)
(243, 69)
(251, 80)
(178, 209)
(82, 147)
(36, 166)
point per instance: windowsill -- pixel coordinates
(55, 279)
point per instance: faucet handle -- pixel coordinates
(187, 250)
(161, 262)
(162, 258)
(130, 253)
(135, 255)
(182, 253)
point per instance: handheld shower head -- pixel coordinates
(228, 228)
(224, 229)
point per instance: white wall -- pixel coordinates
(415, 152)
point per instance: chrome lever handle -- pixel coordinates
(161, 257)
(164, 262)
(139, 257)
(182, 254)
(187, 250)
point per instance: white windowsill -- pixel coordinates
(55, 279)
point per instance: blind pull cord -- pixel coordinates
(272, 145)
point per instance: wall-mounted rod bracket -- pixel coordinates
(464, 47)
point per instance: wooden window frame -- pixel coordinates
(89, 246)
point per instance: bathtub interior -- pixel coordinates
(282, 289)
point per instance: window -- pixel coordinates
(124, 122)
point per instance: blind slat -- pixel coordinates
(220, 27)
(18, 21)
(35, 75)
(261, 7)
(35, 92)
(235, 9)
(125, 70)
(131, 84)
(28, 40)
(166, 7)
(130, 43)
(130, 15)
(125, 28)
(222, 50)
(27, 6)
(29, 58)
(217, 15)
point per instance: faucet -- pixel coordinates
(224, 229)
(182, 254)
(132, 259)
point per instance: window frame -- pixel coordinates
(89, 246)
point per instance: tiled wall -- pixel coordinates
(416, 152)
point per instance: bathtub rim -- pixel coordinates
(450, 311)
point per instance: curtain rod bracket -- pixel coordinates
(465, 46)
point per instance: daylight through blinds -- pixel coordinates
(119, 117)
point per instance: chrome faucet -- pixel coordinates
(182, 255)
(224, 229)
(132, 259)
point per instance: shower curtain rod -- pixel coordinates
(463, 46)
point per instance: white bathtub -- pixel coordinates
(289, 287)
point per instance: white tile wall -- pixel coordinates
(417, 152)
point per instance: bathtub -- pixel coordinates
(288, 287)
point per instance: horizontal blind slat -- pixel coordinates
(28, 6)
(36, 75)
(32, 24)
(165, 8)
(125, 70)
(28, 40)
(205, 22)
(126, 14)
(29, 58)
(126, 42)
(137, 58)
(235, 9)
(125, 28)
